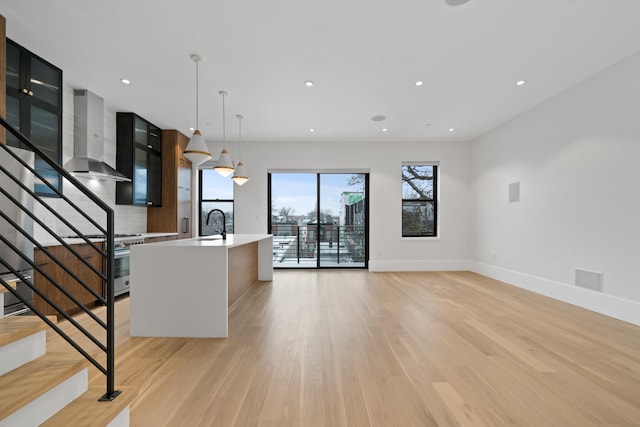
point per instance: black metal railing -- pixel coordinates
(339, 244)
(102, 221)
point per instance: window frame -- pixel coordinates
(434, 200)
(201, 201)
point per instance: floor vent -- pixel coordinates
(589, 280)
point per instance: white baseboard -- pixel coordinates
(418, 265)
(618, 308)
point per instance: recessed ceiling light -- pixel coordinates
(456, 2)
(520, 82)
(419, 83)
(451, 129)
(125, 81)
(428, 124)
(384, 129)
(308, 83)
(192, 129)
(312, 130)
(378, 118)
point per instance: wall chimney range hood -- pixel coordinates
(88, 139)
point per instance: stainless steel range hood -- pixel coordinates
(88, 139)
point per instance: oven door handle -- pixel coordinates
(17, 279)
(121, 254)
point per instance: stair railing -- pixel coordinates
(106, 343)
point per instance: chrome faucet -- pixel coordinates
(224, 222)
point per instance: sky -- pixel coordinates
(294, 190)
(299, 191)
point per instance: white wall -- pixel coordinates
(576, 158)
(388, 251)
(127, 219)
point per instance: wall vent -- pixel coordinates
(514, 192)
(589, 280)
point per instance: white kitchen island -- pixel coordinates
(184, 288)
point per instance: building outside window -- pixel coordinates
(419, 199)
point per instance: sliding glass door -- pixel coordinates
(319, 220)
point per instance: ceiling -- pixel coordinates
(364, 57)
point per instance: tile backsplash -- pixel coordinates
(127, 219)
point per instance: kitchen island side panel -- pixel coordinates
(179, 292)
(265, 259)
(243, 270)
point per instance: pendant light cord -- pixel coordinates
(240, 117)
(224, 129)
(197, 101)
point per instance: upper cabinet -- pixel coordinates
(138, 157)
(34, 106)
(175, 213)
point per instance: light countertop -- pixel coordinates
(162, 234)
(212, 241)
(50, 241)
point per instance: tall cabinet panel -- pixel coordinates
(175, 213)
(34, 106)
(3, 74)
(138, 157)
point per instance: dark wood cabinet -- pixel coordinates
(34, 106)
(138, 157)
(84, 273)
(175, 213)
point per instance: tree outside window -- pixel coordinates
(419, 200)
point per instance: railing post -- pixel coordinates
(111, 393)
(338, 253)
(298, 248)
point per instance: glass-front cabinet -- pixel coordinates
(138, 157)
(34, 106)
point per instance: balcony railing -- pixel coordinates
(303, 245)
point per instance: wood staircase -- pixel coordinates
(46, 388)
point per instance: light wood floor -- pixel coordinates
(353, 348)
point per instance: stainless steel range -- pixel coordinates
(121, 256)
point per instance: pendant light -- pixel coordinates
(197, 150)
(224, 166)
(240, 175)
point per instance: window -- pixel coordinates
(419, 199)
(216, 192)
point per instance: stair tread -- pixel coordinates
(87, 411)
(3, 289)
(33, 379)
(14, 328)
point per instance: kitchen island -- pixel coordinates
(184, 288)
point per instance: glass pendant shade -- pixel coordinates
(224, 166)
(197, 150)
(240, 175)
